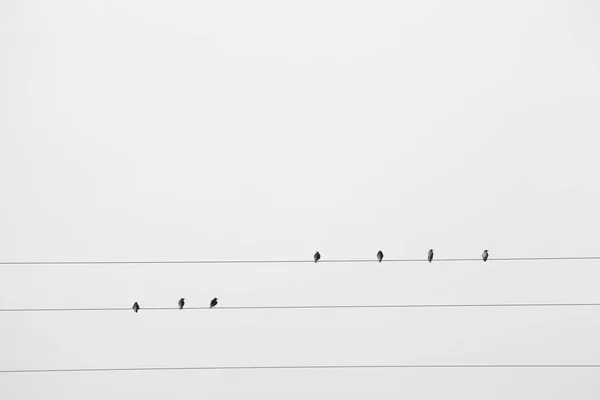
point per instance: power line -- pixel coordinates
(301, 367)
(309, 307)
(349, 260)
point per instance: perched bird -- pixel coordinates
(485, 255)
(213, 302)
(430, 255)
(380, 255)
(181, 303)
(317, 256)
(136, 307)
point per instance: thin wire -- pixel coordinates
(308, 307)
(67, 263)
(298, 367)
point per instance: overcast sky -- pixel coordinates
(177, 130)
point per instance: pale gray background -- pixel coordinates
(252, 129)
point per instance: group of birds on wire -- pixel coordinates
(484, 256)
(181, 304)
(317, 257)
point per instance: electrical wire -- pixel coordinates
(300, 367)
(309, 307)
(350, 260)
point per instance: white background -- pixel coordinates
(151, 130)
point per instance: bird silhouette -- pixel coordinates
(136, 307)
(380, 255)
(213, 302)
(317, 256)
(485, 255)
(181, 303)
(430, 255)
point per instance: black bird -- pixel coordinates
(485, 255)
(181, 303)
(136, 307)
(380, 255)
(317, 256)
(213, 302)
(430, 255)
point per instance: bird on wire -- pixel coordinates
(135, 307)
(380, 255)
(181, 303)
(485, 255)
(430, 255)
(213, 302)
(317, 257)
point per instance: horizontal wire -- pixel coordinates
(308, 307)
(298, 367)
(67, 263)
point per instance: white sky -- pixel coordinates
(249, 130)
